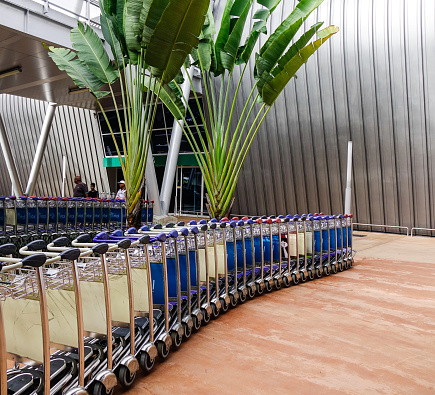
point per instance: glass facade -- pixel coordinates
(162, 130)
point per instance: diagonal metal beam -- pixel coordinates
(174, 150)
(9, 159)
(40, 149)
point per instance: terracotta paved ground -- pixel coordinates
(367, 330)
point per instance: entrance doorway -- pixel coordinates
(190, 192)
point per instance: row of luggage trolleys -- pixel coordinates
(24, 215)
(63, 304)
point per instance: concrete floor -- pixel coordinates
(370, 329)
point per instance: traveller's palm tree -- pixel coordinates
(226, 141)
(149, 40)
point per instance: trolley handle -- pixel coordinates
(8, 249)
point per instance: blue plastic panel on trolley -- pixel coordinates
(32, 215)
(144, 217)
(183, 270)
(52, 214)
(276, 246)
(90, 215)
(344, 236)
(80, 215)
(72, 215)
(157, 278)
(349, 235)
(332, 239)
(97, 215)
(325, 240)
(2, 217)
(42, 215)
(61, 215)
(115, 215)
(257, 246)
(21, 216)
(150, 215)
(317, 241)
(106, 215)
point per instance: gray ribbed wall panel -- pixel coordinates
(373, 83)
(74, 133)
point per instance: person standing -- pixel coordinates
(81, 189)
(93, 193)
(121, 191)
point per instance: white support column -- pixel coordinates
(174, 149)
(40, 149)
(347, 199)
(9, 159)
(151, 181)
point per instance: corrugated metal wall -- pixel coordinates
(74, 133)
(373, 83)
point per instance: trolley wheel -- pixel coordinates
(259, 290)
(295, 279)
(286, 281)
(267, 286)
(326, 271)
(205, 316)
(176, 340)
(196, 323)
(251, 293)
(318, 273)
(311, 274)
(277, 283)
(333, 268)
(350, 262)
(125, 377)
(145, 362)
(242, 297)
(187, 330)
(224, 305)
(340, 266)
(303, 277)
(100, 389)
(346, 264)
(233, 301)
(215, 311)
(162, 350)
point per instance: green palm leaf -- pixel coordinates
(175, 35)
(133, 26)
(273, 88)
(109, 29)
(150, 16)
(90, 51)
(66, 60)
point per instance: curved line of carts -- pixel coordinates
(97, 310)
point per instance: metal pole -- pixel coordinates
(152, 185)
(347, 199)
(63, 175)
(7, 153)
(174, 149)
(40, 149)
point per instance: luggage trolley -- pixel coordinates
(97, 323)
(23, 290)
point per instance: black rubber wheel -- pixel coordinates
(187, 330)
(286, 282)
(145, 362)
(318, 273)
(267, 286)
(310, 274)
(215, 311)
(233, 301)
(295, 279)
(125, 377)
(100, 389)
(350, 262)
(333, 268)
(259, 289)
(176, 340)
(277, 283)
(251, 293)
(346, 265)
(340, 266)
(205, 316)
(242, 297)
(224, 305)
(303, 277)
(196, 323)
(162, 350)
(326, 271)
